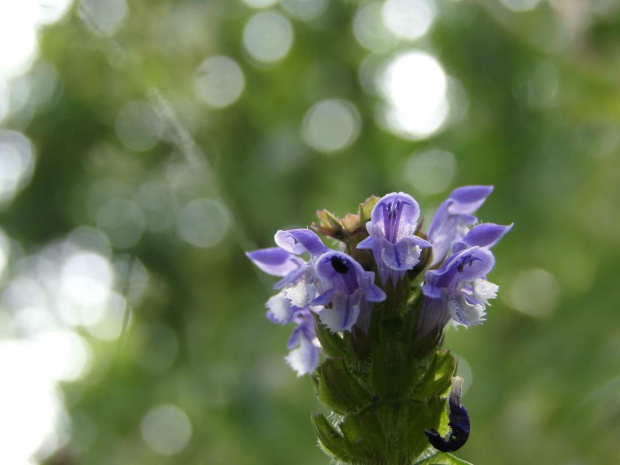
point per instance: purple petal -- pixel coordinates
(483, 235)
(340, 271)
(298, 241)
(325, 298)
(295, 338)
(470, 264)
(395, 216)
(466, 200)
(343, 313)
(294, 277)
(401, 256)
(410, 211)
(374, 294)
(275, 261)
(465, 266)
(367, 243)
(432, 292)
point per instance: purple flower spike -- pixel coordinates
(347, 290)
(458, 290)
(392, 225)
(453, 218)
(304, 355)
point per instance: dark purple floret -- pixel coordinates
(459, 425)
(340, 264)
(458, 422)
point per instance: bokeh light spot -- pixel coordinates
(166, 429)
(519, 5)
(4, 99)
(122, 221)
(304, 9)
(103, 17)
(29, 403)
(18, 40)
(158, 206)
(110, 323)
(138, 126)
(331, 125)
(260, 3)
(219, 81)
(65, 355)
(370, 30)
(50, 11)
(203, 222)
(534, 292)
(5, 251)
(90, 239)
(268, 36)
(16, 163)
(86, 278)
(414, 85)
(538, 87)
(431, 171)
(408, 19)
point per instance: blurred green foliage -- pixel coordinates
(541, 123)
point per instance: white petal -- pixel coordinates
(343, 314)
(484, 290)
(463, 312)
(280, 308)
(301, 294)
(305, 358)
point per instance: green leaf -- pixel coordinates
(332, 343)
(417, 418)
(331, 441)
(366, 433)
(438, 378)
(339, 389)
(365, 208)
(441, 458)
(393, 371)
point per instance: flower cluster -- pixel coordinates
(320, 285)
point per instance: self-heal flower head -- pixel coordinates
(453, 218)
(458, 290)
(392, 238)
(347, 290)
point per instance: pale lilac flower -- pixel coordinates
(283, 260)
(297, 291)
(303, 344)
(392, 239)
(453, 218)
(458, 290)
(347, 290)
(305, 351)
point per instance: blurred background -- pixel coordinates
(145, 145)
